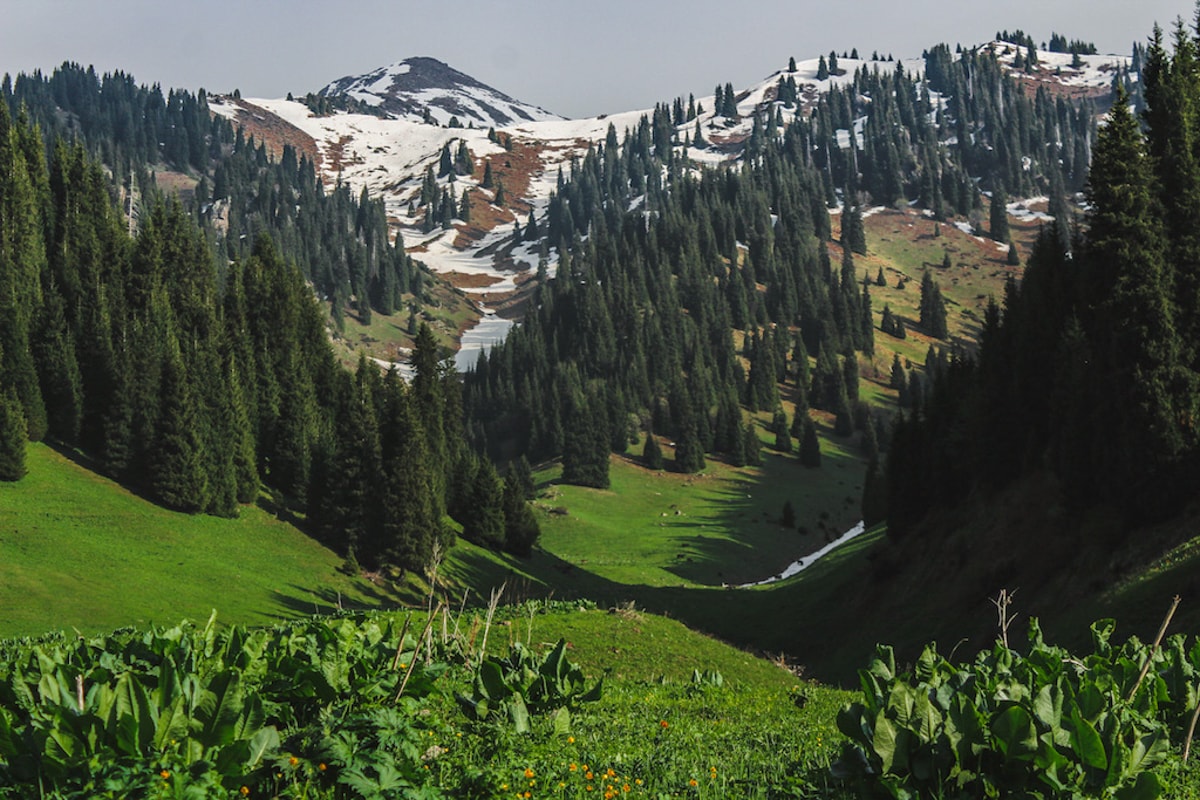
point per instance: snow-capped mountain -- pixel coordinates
(388, 154)
(424, 88)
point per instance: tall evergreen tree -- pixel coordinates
(998, 214)
(12, 436)
(521, 529)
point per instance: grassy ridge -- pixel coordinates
(79, 551)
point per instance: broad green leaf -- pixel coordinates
(927, 663)
(851, 721)
(883, 666)
(490, 682)
(594, 694)
(1086, 743)
(925, 719)
(8, 740)
(1102, 631)
(1146, 787)
(1014, 732)
(883, 742)
(172, 724)
(1047, 706)
(555, 664)
(519, 714)
(901, 703)
(219, 710)
(560, 720)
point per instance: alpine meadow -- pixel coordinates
(834, 436)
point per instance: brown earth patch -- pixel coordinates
(470, 280)
(337, 155)
(273, 131)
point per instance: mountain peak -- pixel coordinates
(421, 87)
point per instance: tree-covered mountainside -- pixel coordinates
(661, 261)
(340, 242)
(1091, 372)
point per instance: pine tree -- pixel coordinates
(585, 445)
(12, 436)
(753, 446)
(520, 473)
(933, 308)
(779, 426)
(1134, 315)
(810, 446)
(998, 219)
(652, 455)
(484, 521)
(689, 453)
(521, 529)
(177, 472)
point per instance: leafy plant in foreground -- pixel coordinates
(517, 685)
(1041, 725)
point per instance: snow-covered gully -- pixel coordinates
(807, 561)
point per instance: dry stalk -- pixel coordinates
(1002, 602)
(413, 664)
(487, 624)
(461, 608)
(435, 561)
(1162, 629)
(1187, 745)
(400, 644)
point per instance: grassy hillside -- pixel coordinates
(78, 551)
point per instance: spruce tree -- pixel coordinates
(12, 436)
(521, 529)
(998, 215)
(753, 446)
(484, 520)
(652, 455)
(933, 308)
(779, 426)
(177, 473)
(689, 452)
(810, 446)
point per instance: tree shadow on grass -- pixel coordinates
(748, 543)
(306, 601)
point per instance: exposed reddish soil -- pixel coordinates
(273, 131)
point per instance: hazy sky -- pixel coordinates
(575, 59)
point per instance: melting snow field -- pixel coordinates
(490, 330)
(796, 567)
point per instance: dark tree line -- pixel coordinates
(1092, 369)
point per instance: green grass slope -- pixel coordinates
(79, 551)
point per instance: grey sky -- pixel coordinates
(576, 59)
